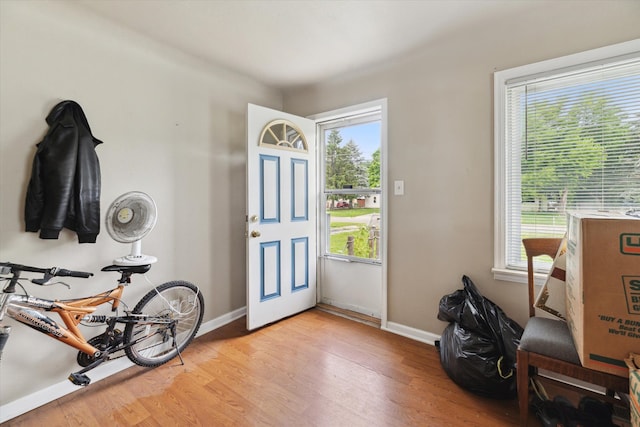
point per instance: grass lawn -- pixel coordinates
(336, 224)
(339, 243)
(544, 218)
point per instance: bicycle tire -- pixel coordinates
(177, 300)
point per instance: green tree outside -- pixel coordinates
(346, 168)
(570, 146)
(374, 170)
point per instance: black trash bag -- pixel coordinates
(478, 347)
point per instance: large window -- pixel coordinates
(567, 138)
(351, 198)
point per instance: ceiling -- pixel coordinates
(288, 43)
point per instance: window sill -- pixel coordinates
(517, 276)
(345, 258)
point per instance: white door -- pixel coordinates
(281, 215)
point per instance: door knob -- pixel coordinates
(255, 233)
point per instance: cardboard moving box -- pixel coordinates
(603, 288)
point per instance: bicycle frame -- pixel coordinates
(27, 310)
(136, 341)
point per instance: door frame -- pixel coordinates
(366, 107)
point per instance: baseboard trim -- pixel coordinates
(220, 321)
(413, 333)
(41, 397)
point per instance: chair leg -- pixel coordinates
(610, 393)
(523, 386)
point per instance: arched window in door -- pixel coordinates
(283, 134)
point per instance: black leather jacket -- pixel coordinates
(64, 190)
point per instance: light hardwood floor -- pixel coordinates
(313, 369)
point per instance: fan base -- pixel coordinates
(135, 260)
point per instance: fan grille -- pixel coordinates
(131, 216)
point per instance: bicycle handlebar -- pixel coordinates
(71, 273)
(48, 272)
(20, 267)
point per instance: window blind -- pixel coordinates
(572, 142)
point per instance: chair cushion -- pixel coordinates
(551, 338)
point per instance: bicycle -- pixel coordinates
(161, 325)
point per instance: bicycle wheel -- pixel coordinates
(177, 301)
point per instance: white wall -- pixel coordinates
(440, 142)
(172, 127)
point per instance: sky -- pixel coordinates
(366, 136)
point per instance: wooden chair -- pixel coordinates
(547, 344)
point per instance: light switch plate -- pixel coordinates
(398, 188)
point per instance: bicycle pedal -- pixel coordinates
(79, 379)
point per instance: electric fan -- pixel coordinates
(129, 218)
